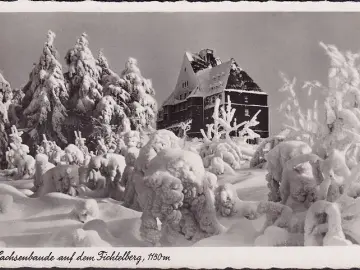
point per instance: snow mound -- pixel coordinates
(87, 210)
(75, 238)
(6, 203)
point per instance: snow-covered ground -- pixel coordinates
(48, 221)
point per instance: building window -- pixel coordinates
(247, 112)
(246, 99)
(213, 99)
(185, 69)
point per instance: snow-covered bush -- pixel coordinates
(259, 158)
(220, 153)
(42, 165)
(129, 139)
(157, 141)
(126, 180)
(17, 156)
(283, 152)
(180, 196)
(46, 96)
(320, 223)
(80, 142)
(108, 167)
(228, 204)
(51, 150)
(61, 178)
(320, 231)
(6, 203)
(86, 210)
(316, 168)
(73, 155)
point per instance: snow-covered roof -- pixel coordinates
(215, 77)
(247, 91)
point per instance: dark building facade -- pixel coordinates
(204, 78)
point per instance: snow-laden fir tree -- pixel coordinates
(46, 96)
(110, 114)
(5, 99)
(113, 106)
(128, 102)
(5, 89)
(83, 77)
(132, 95)
(112, 84)
(142, 105)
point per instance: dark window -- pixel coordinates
(213, 99)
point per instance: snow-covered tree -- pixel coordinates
(127, 99)
(18, 156)
(46, 96)
(83, 77)
(113, 85)
(220, 153)
(5, 89)
(111, 111)
(341, 103)
(142, 104)
(301, 125)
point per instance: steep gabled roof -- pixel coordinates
(213, 77)
(240, 80)
(212, 80)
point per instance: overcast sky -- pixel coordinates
(262, 43)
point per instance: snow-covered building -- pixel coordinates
(202, 79)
